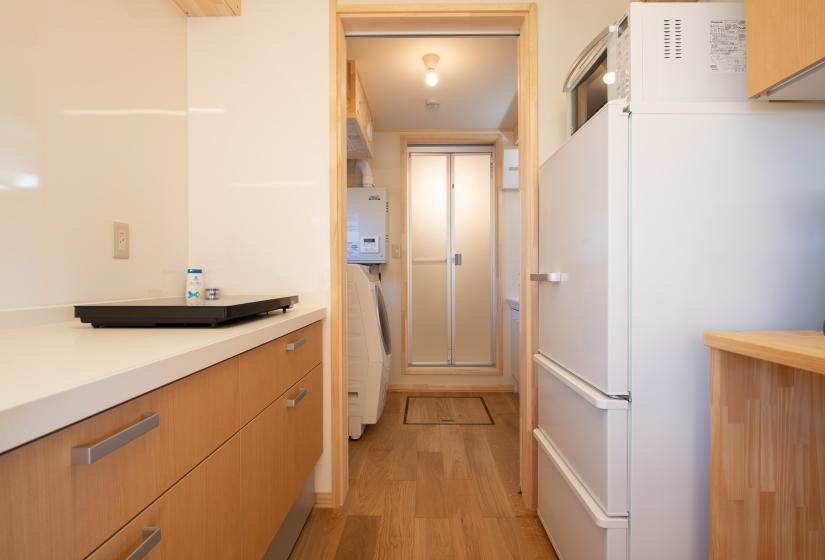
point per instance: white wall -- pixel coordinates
(92, 130)
(259, 155)
(510, 268)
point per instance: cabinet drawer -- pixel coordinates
(53, 506)
(589, 430)
(279, 449)
(577, 527)
(269, 370)
(197, 518)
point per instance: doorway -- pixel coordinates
(451, 248)
(436, 20)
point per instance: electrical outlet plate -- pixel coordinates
(120, 241)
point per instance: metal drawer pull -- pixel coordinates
(293, 346)
(88, 454)
(151, 537)
(292, 403)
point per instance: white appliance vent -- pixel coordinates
(672, 38)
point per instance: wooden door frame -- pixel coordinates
(438, 137)
(425, 14)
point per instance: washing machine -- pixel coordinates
(368, 348)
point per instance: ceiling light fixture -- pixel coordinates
(431, 61)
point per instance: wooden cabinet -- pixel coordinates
(52, 508)
(180, 459)
(269, 370)
(767, 443)
(279, 449)
(785, 39)
(199, 517)
(360, 127)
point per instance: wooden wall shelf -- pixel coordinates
(359, 116)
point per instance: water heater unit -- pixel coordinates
(367, 216)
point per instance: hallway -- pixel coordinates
(431, 492)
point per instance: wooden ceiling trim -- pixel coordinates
(206, 8)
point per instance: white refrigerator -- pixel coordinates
(659, 222)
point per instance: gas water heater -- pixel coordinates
(367, 217)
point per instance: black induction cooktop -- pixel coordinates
(176, 311)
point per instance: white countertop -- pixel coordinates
(54, 375)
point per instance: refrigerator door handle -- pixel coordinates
(552, 277)
(585, 391)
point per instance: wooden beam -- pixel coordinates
(338, 224)
(528, 183)
(204, 8)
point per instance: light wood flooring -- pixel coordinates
(431, 492)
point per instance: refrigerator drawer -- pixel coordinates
(589, 430)
(576, 525)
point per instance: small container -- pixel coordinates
(194, 285)
(213, 294)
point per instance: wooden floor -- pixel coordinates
(431, 492)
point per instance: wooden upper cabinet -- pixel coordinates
(786, 39)
(210, 7)
(359, 116)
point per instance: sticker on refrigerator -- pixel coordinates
(727, 46)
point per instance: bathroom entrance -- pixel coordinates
(451, 249)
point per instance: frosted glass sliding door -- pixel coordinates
(429, 280)
(451, 236)
(473, 247)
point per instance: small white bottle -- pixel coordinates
(195, 292)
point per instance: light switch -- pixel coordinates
(396, 251)
(120, 249)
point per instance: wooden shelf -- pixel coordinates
(359, 116)
(203, 8)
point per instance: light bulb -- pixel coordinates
(609, 78)
(431, 78)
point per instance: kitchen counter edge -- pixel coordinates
(803, 350)
(34, 419)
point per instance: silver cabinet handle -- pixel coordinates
(554, 277)
(292, 403)
(88, 454)
(151, 537)
(457, 259)
(293, 346)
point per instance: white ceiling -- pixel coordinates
(476, 89)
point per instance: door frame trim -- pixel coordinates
(521, 17)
